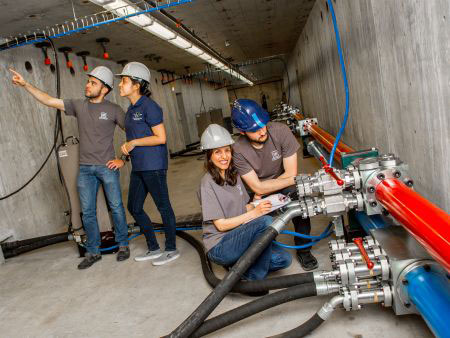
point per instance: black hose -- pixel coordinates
(36, 245)
(246, 287)
(16, 244)
(58, 124)
(254, 307)
(302, 330)
(188, 326)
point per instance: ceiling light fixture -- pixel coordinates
(124, 8)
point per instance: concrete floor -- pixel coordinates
(42, 294)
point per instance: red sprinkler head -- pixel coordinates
(103, 42)
(66, 51)
(44, 47)
(83, 55)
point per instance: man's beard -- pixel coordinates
(256, 141)
(93, 96)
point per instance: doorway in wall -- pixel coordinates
(183, 119)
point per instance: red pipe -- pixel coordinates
(327, 141)
(429, 224)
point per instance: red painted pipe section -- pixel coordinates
(429, 224)
(327, 140)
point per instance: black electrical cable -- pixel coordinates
(234, 90)
(285, 70)
(254, 307)
(245, 287)
(201, 93)
(287, 75)
(191, 324)
(58, 125)
(302, 330)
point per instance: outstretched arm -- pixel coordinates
(39, 95)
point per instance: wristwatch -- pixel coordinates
(125, 158)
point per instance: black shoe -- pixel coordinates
(88, 261)
(123, 254)
(307, 261)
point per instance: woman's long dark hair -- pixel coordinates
(230, 174)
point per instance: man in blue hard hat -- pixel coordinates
(265, 156)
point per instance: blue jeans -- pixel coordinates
(155, 183)
(89, 180)
(233, 245)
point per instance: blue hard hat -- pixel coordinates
(247, 115)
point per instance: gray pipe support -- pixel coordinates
(316, 150)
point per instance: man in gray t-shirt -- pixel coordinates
(265, 156)
(97, 119)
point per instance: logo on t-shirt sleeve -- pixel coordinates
(275, 155)
(103, 116)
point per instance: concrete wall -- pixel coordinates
(272, 90)
(397, 55)
(27, 135)
(193, 103)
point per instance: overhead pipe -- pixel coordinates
(429, 224)
(37, 37)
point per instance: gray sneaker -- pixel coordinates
(166, 257)
(149, 255)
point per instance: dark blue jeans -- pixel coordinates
(233, 245)
(89, 180)
(155, 183)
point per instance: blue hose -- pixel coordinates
(137, 235)
(296, 234)
(315, 239)
(344, 76)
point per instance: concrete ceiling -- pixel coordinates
(253, 29)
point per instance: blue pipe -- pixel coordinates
(429, 290)
(344, 76)
(72, 31)
(370, 222)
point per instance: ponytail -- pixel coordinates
(144, 88)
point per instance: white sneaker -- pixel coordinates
(166, 257)
(149, 255)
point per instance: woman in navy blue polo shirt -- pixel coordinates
(146, 144)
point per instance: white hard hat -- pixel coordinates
(136, 70)
(104, 74)
(215, 136)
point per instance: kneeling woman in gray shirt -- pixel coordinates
(230, 224)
